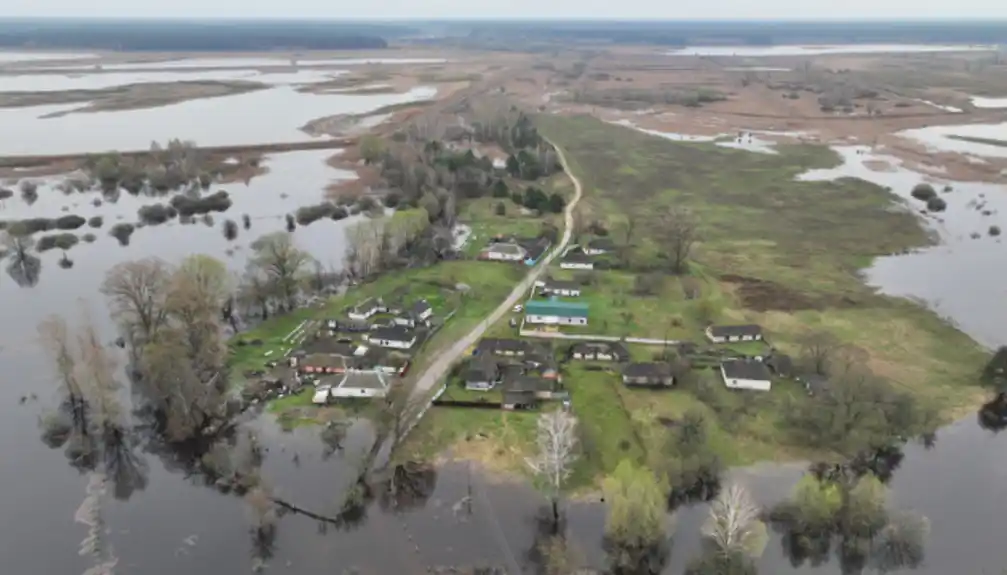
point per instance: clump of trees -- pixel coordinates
(275, 276)
(156, 213)
(122, 232)
(635, 533)
(924, 192)
(687, 460)
(62, 241)
(936, 204)
(406, 237)
(308, 214)
(186, 205)
(70, 222)
(850, 515)
(95, 221)
(230, 230)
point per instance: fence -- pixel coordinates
(590, 337)
(468, 404)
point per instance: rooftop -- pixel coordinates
(745, 369)
(364, 380)
(647, 370)
(735, 330)
(561, 284)
(494, 345)
(393, 333)
(557, 308)
(602, 244)
(506, 248)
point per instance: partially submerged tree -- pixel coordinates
(137, 293)
(635, 535)
(553, 463)
(279, 258)
(734, 524)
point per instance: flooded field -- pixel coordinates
(769, 51)
(238, 62)
(26, 82)
(955, 138)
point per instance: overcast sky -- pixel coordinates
(384, 9)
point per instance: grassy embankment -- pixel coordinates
(792, 252)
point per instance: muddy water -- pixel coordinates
(27, 82)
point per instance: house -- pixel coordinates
(396, 336)
(558, 288)
(417, 314)
(599, 351)
(482, 373)
(729, 333)
(780, 363)
(648, 375)
(367, 309)
(553, 312)
(524, 392)
(577, 260)
(746, 374)
(361, 384)
(352, 326)
(502, 346)
(322, 363)
(599, 246)
(513, 400)
(815, 384)
(534, 248)
(504, 251)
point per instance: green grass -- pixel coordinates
(805, 241)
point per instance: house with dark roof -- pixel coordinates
(504, 251)
(746, 374)
(482, 373)
(599, 351)
(648, 375)
(552, 287)
(576, 260)
(367, 308)
(553, 312)
(418, 314)
(502, 346)
(814, 383)
(525, 391)
(396, 336)
(731, 333)
(534, 248)
(599, 246)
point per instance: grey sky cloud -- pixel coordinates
(636, 9)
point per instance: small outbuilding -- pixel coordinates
(648, 375)
(396, 336)
(746, 374)
(732, 333)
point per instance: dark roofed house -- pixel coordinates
(502, 346)
(397, 336)
(599, 246)
(524, 391)
(559, 288)
(482, 373)
(517, 399)
(648, 374)
(746, 374)
(815, 384)
(367, 308)
(417, 314)
(599, 351)
(780, 363)
(576, 260)
(729, 333)
(534, 248)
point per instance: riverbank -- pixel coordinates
(774, 251)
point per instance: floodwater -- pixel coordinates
(980, 102)
(25, 81)
(939, 138)
(278, 61)
(810, 50)
(264, 116)
(34, 57)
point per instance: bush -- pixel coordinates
(156, 213)
(95, 222)
(500, 209)
(392, 199)
(5, 193)
(63, 241)
(32, 225)
(187, 206)
(340, 213)
(230, 229)
(500, 189)
(994, 230)
(121, 232)
(936, 204)
(65, 262)
(924, 192)
(71, 222)
(291, 223)
(246, 221)
(208, 220)
(89, 238)
(309, 214)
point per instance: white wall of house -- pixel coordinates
(756, 384)
(722, 339)
(504, 256)
(405, 321)
(358, 392)
(426, 313)
(594, 251)
(393, 343)
(564, 292)
(555, 320)
(577, 265)
(479, 385)
(362, 315)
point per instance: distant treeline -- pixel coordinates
(195, 35)
(679, 33)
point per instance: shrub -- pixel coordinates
(63, 241)
(89, 237)
(95, 222)
(5, 193)
(246, 221)
(340, 213)
(500, 209)
(392, 199)
(65, 262)
(309, 214)
(121, 232)
(994, 230)
(32, 225)
(208, 220)
(230, 229)
(71, 222)
(291, 223)
(216, 202)
(936, 204)
(924, 192)
(156, 213)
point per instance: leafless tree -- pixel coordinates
(90, 513)
(263, 516)
(22, 265)
(137, 292)
(401, 410)
(197, 292)
(282, 261)
(678, 232)
(256, 290)
(557, 440)
(818, 350)
(733, 525)
(364, 241)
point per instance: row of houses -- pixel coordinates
(416, 314)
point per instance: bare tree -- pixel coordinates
(678, 232)
(23, 266)
(733, 525)
(364, 242)
(263, 516)
(557, 440)
(257, 290)
(817, 352)
(401, 410)
(198, 290)
(283, 262)
(137, 292)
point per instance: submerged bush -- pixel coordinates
(936, 204)
(121, 232)
(994, 230)
(5, 193)
(32, 225)
(65, 262)
(216, 202)
(308, 214)
(89, 237)
(156, 213)
(63, 241)
(291, 224)
(71, 222)
(230, 230)
(924, 192)
(95, 222)
(246, 221)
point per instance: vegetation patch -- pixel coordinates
(187, 205)
(63, 241)
(156, 213)
(122, 231)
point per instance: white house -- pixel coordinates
(366, 309)
(559, 288)
(599, 246)
(361, 384)
(396, 336)
(599, 351)
(746, 374)
(508, 252)
(729, 333)
(556, 313)
(576, 261)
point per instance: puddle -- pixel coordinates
(265, 116)
(939, 138)
(812, 50)
(27, 82)
(980, 102)
(960, 278)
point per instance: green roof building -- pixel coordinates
(556, 312)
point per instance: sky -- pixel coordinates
(608, 9)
